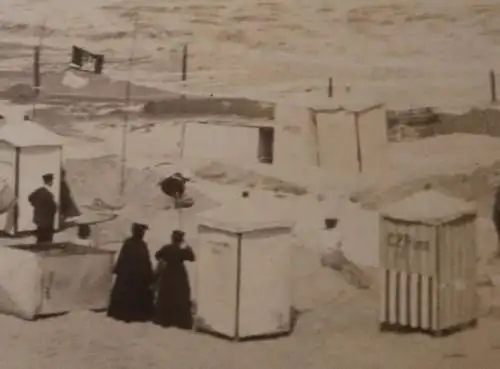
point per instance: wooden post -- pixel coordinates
(36, 67)
(359, 154)
(183, 140)
(182, 144)
(123, 169)
(493, 86)
(330, 87)
(184, 62)
(36, 77)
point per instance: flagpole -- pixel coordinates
(127, 103)
(36, 66)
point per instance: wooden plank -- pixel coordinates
(435, 287)
(471, 297)
(393, 297)
(382, 243)
(425, 303)
(384, 296)
(414, 300)
(447, 285)
(403, 299)
(391, 259)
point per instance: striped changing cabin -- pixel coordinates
(428, 264)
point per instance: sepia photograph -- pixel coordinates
(258, 184)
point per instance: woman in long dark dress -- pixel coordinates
(173, 305)
(132, 295)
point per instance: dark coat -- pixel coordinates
(44, 207)
(68, 205)
(173, 305)
(132, 295)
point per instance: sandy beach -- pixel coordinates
(403, 53)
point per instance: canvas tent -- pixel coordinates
(27, 151)
(42, 280)
(348, 138)
(352, 139)
(230, 141)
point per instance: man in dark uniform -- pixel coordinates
(44, 210)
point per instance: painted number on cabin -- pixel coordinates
(403, 243)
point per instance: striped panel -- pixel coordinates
(408, 300)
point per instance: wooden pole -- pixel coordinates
(330, 87)
(126, 117)
(36, 77)
(358, 143)
(182, 145)
(493, 86)
(36, 67)
(184, 62)
(183, 140)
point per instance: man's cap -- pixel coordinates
(178, 233)
(48, 177)
(143, 227)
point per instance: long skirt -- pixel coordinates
(131, 303)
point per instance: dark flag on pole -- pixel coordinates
(36, 70)
(84, 60)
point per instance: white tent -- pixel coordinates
(347, 138)
(36, 281)
(27, 151)
(249, 142)
(352, 139)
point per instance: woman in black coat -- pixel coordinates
(173, 305)
(132, 294)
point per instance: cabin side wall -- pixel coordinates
(295, 139)
(266, 283)
(457, 272)
(337, 142)
(217, 281)
(8, 172)
(373, 140)
(76, 282)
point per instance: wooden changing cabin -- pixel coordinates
(244, 271)
(37, 280)
(27, 151)
(428, 264)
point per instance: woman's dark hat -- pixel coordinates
(142, 227)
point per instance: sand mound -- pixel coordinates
(463, 165)
(478, 186)
(233, 175)
(95, 182)
(476, 121)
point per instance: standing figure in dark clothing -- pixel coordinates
(132, 294)
(173, 305)
(68, 206)
(44, 210)
(496, 218)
